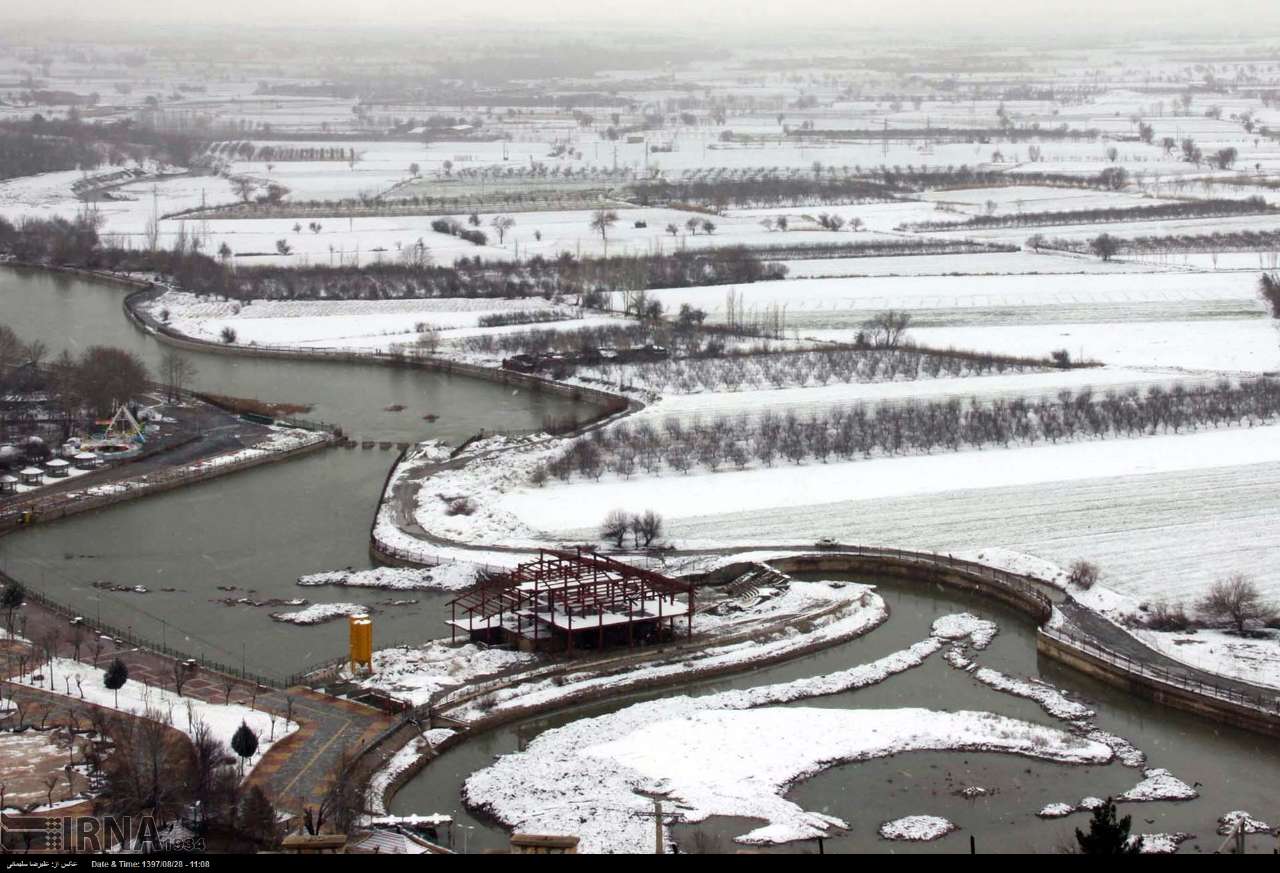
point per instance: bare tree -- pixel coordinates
(615, 526)
(887, 329)
(501, 224)
(1105, 246)
(646, 527)
(601, 222)
(244, 187)
(181, 673)
(177, 371)
(1236, 600)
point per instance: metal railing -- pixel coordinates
(1258, 702)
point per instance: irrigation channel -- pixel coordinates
(254, 532)
(258, 531)
(1236, 769)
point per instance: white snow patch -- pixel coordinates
(318, 613)
(916, 828)
(1159, 784)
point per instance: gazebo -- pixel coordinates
(31, 476)
(8, 484)
(87, 461)
(58, 468)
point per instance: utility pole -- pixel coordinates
(659, 816)
(657, 827)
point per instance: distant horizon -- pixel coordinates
(964, 20)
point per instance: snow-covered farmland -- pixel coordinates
(844, 303)
(976, 264)
(1125, 504)
(1191, 321)
(814, 398)
(368, 325)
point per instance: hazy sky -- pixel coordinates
(1046, 16)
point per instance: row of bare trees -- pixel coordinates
(1180, 209)
(644, 527)
(816, 367)
(862, 431)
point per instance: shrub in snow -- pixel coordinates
(1167, 617)
(1083, 574)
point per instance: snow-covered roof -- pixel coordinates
(385, 842)
(436, 818)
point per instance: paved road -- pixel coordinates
(1085, 622)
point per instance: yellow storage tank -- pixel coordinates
(360, 629)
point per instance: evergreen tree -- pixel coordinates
(244, 743)
(1107, 836)
(258, 817)
(117, 674)
(11, 598)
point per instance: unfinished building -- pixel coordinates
(573, 600)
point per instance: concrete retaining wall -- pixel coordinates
(923, 569)
(1151, 688)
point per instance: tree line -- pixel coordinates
(1167, 244)
(764, 191)
(736, 371)
(1183, 209)
(40, 145)
(76, 243)
(860, 430)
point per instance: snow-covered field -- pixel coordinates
(1121, 503)
(836, 303)
(363, 325)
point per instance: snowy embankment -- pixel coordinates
(79, 681)
(278, 441)
(1254, 660)
(834, 613)
(319, 613)
(706, 753)
(415, 673)
(446, 577)
(404, 758)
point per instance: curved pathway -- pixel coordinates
(1084, 622)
